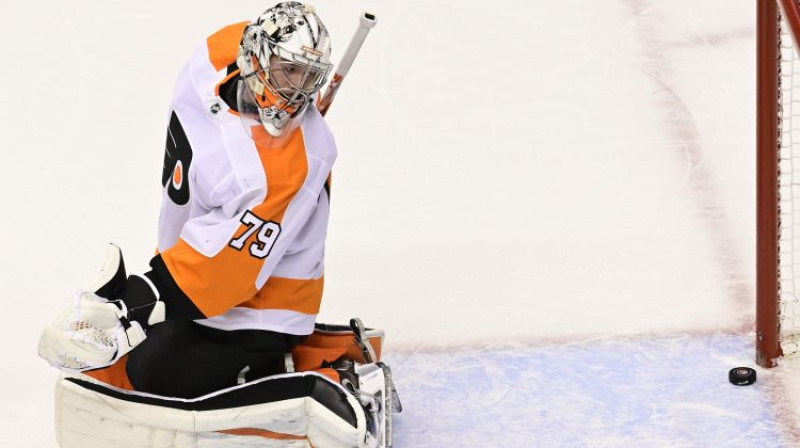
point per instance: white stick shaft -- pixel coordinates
(365, 24)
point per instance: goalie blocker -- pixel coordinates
(335, 399)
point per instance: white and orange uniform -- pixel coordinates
(242, 228)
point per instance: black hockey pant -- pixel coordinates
(188, 360)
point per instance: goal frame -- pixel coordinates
(768, 140)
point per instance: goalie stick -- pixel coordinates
(363, 342)
(366, 22)
(368, 352)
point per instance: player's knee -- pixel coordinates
(153, 366)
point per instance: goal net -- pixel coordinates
(778, 184)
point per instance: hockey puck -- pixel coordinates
(742, 376)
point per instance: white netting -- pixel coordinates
(86, 332)
(73, 342)
(789, 190)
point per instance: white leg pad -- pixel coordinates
(105, 417)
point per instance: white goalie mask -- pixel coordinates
(284, 58)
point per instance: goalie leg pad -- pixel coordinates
(292, 410)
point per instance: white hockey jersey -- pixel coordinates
(242, 228)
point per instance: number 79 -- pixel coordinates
(268, 232)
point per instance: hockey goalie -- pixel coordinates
(217, 344)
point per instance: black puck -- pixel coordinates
(742, 376)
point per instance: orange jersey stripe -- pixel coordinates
(213, 284)
(223, 46)
(217, 284)
(303, 296)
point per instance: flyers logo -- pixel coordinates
(177, 160)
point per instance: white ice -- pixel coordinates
(549, 206)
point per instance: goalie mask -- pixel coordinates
(284, 60)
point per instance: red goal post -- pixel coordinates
(778, 191)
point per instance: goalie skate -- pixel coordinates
(370, 381)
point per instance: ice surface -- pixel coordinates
(520, 177)
(665, 392)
